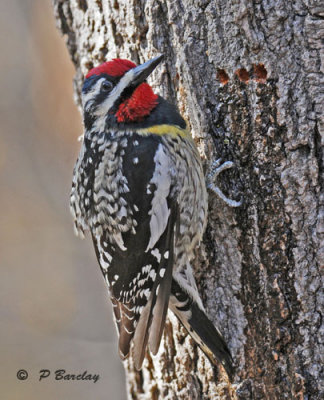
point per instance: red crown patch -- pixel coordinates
(116, 67)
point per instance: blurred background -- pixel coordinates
(55, 312)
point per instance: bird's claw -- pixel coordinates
(215, 170)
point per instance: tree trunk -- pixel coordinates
(246, 75)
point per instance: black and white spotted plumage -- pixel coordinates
(139, 189)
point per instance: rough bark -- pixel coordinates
(246, 75)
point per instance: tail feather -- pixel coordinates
(201, 329)
(124, 319)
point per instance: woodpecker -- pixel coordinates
(139, 189)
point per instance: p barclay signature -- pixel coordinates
(62, 375)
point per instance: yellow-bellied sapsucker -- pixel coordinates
(139, 189)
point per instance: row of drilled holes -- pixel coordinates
(259, 73)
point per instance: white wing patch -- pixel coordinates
(159, 211)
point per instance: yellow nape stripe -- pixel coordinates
(165, 129)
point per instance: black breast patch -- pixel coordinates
(138, 168)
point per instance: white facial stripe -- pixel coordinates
(116, 92)
(106, 105)
(92, 92)
(102, 110)
(125, 81)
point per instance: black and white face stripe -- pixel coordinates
(97, 101)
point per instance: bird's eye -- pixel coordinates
(106, 86)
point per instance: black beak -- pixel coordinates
(144, 70)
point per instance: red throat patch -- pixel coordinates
(139, 105)
(116, 67)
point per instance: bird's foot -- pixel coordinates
(216, 168)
